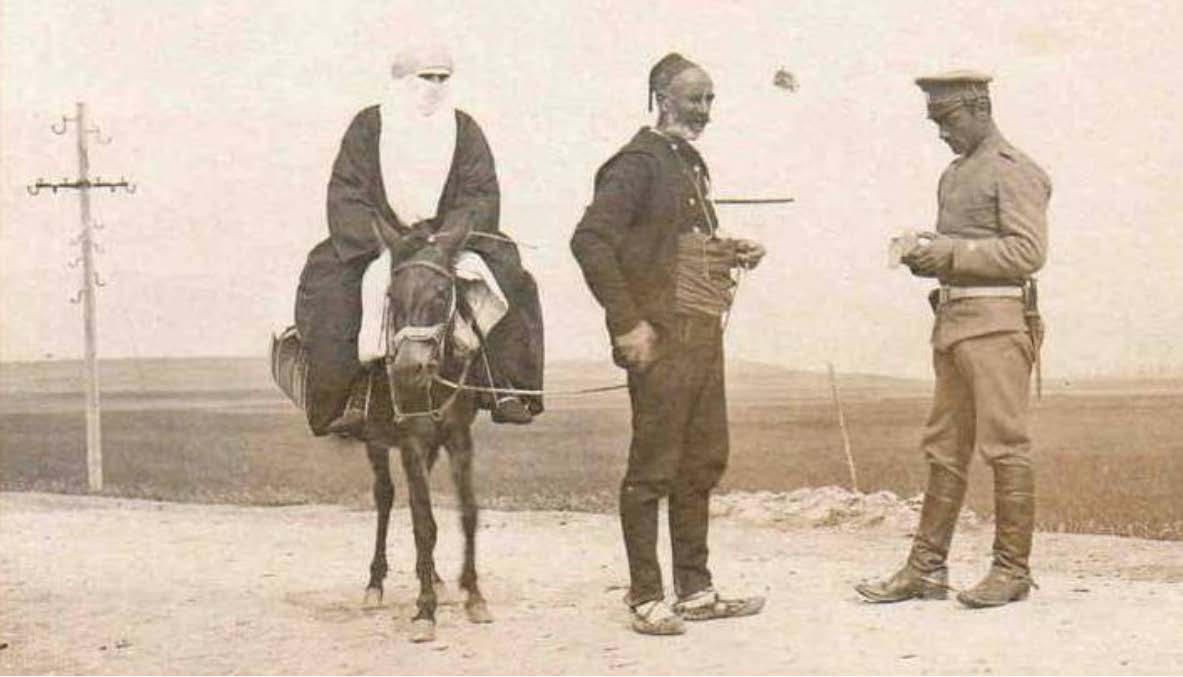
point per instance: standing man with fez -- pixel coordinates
(650, 252)
(991, 236)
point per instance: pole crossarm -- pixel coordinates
(80, 184)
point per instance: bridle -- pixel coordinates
(436, 334)
(423, 333)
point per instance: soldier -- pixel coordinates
(649, 248)
(991, 236)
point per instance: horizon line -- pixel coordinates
(1172, 373)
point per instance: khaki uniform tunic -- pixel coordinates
(994, 202)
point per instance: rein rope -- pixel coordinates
(461, 385)
(438, 333)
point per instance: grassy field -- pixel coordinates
(1110, 456)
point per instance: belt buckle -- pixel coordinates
(943, 294)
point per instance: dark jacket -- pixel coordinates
(627, 241)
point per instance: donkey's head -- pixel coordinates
(422, 307)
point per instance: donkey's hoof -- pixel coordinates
(478, 612)
(373, 599)
(422, 630)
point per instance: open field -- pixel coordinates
(1110, 456)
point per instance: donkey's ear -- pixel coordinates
(386, 235)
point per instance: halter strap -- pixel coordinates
(422, 263)
(435, 333)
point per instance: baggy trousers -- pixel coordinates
(679, 449)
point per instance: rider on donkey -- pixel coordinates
(411, 172)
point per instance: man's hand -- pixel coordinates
(931, 257)
(748, 253)
(638, 347)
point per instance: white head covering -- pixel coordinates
(418, 136)
(415, 148)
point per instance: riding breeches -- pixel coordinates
(981, 402)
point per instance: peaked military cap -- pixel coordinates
(949, 91)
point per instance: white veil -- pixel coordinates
(415, 148)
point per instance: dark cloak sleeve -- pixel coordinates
(622, 186)
(355, 195)
(471, 199)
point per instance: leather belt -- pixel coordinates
(950, 293)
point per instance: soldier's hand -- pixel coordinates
(932, 256)
(748, 253)
(638, 346)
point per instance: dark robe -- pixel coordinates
(328, 301)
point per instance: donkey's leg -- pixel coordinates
(383, 499)
(414, 457)
(440, 589)
(459, 444)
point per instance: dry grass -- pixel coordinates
(1108, 463)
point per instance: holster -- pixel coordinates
(1031, 313)
(1036, 328)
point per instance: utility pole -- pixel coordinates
(842, 427)
(90, 280)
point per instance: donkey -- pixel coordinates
(418, 416)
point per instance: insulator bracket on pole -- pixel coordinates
(65, 123)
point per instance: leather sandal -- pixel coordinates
(656, 618)
(706, 605)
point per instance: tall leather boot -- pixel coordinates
(925, 575)
(1009, 579)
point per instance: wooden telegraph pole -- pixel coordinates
(842, 427)
(90, 279)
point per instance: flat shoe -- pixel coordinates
(656, 618)
(720, 608)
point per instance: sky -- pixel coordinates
(227, 116)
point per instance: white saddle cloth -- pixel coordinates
(475, 283)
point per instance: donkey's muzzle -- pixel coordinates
(413, 365)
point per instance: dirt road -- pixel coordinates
(103, 585)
